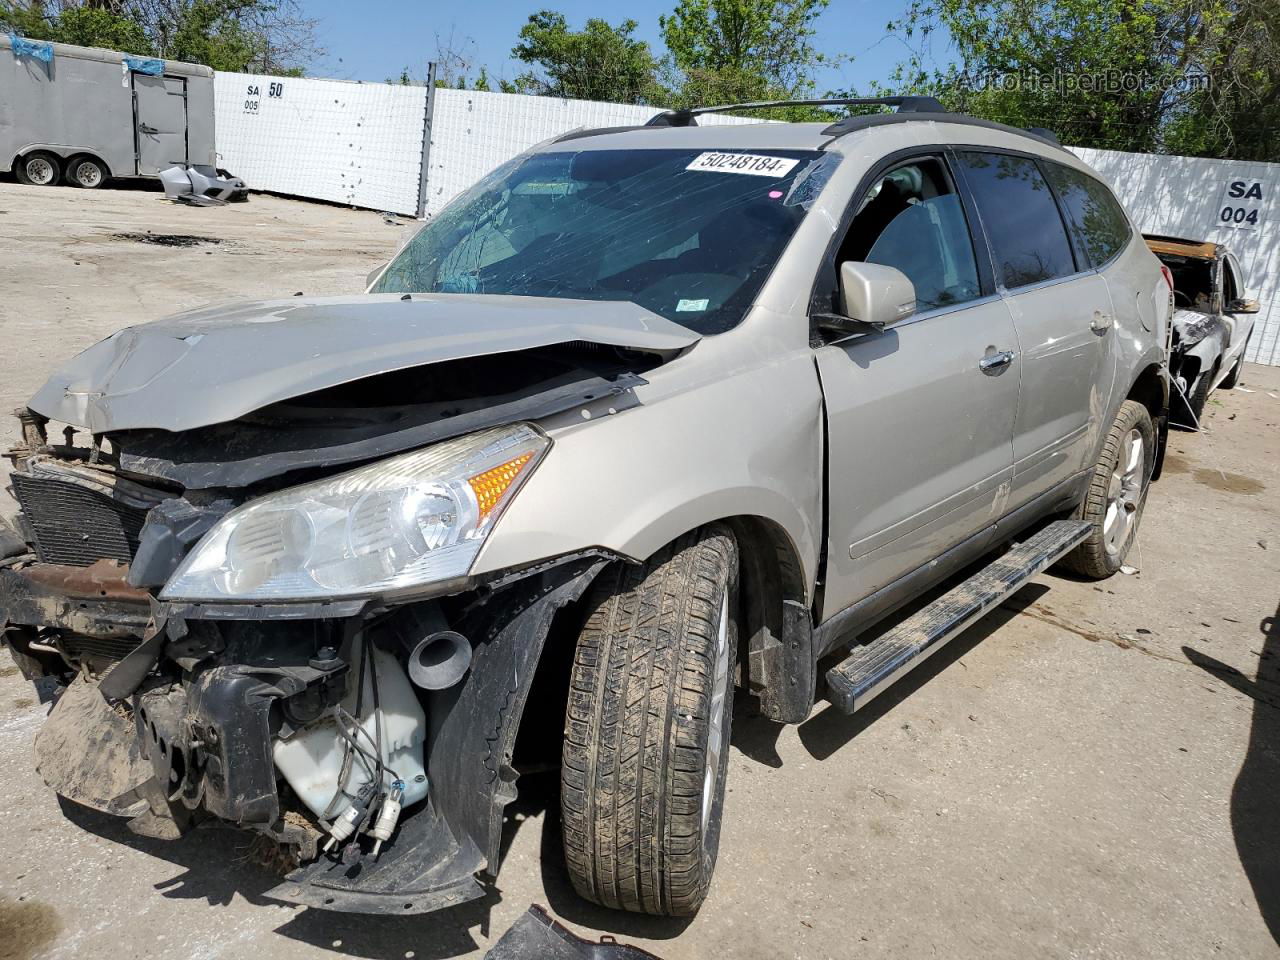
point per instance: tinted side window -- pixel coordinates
(1021, 219)
(1098, 223)
(912, 220)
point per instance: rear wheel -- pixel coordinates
(1117, 493)
(38, 169)
(647, 729)
(86, 173)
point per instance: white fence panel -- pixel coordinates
(1187, 197)
(472, 132)
(356, 143)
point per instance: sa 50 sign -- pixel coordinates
(1244, 204)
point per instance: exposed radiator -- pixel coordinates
(78, 519)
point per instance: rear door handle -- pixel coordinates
(1101, 322)
(147, 129)
(995, 362)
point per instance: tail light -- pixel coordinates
(1168, 276)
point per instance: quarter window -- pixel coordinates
(1020, 217)
(1097, 221)
(912, 220)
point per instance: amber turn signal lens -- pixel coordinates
(492, 484)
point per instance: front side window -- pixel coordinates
(688, 234)
(1021, 219)
(1230, 282)
(912, 219)
(1097, 221)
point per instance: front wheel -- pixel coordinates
(646, 743)
(1232, 379)
(1117, 494)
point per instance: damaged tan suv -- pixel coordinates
(646, 417)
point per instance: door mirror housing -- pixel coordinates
(1241, 305)
(872, 297)
(373, 275)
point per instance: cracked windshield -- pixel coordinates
(688, 234)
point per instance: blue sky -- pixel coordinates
(374, 39)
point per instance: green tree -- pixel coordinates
(1191, 76)
(258, 36)
(599, 62)
(760, 46)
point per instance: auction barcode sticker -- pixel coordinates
(753, 163)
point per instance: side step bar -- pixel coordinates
(873, 667)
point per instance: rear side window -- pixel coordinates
(1097, 221)
(1021, 219)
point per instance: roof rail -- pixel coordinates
(854, 124)
(687, 118)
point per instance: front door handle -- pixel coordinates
(147, 129)
(996, 362)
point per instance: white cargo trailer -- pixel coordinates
(87, 114)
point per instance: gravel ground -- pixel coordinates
(1091, 771)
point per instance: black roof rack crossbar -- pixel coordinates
(686, 118)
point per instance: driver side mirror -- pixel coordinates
(1241, 305)
(872, 297)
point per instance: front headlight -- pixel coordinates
(1191, 332)
(409, 520)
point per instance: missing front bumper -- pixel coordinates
(204, 746)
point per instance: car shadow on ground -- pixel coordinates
(218, 864)
(827, 729)
(1255, 816)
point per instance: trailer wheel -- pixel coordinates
(86, 172)
(646, 744)
(38, 169)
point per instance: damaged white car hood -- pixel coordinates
(218, 363)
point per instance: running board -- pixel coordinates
(871, 668)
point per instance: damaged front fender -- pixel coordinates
(439, 851)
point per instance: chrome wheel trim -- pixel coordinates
(88, 173)
(39, 171)
(1124, 494)
(715, 729)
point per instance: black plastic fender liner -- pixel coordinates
(441, 845)
(474, 724)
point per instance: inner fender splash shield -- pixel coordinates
(441, 846)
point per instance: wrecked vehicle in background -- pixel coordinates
(1212, 321)
(645, 416)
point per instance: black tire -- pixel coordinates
(1102, 555)
(86, 172)
(638, 726)
(1232, 379)
(32, 170)
(1200, 392)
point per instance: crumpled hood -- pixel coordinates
(218, 363)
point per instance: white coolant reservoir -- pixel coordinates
(311, 760)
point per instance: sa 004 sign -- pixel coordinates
(1244, 204)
